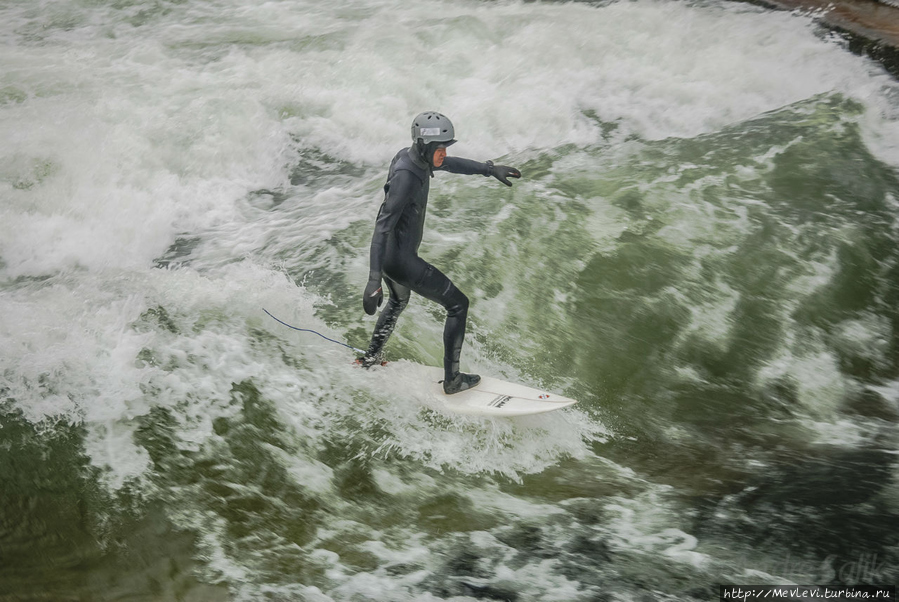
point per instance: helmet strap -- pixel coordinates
(422, 150)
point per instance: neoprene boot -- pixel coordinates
(367, 361)
(460, 382)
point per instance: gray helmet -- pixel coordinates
(432, 127)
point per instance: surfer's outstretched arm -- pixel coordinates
(469, 168)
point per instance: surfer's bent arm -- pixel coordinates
(399, 193)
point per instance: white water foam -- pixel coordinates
(131, 135)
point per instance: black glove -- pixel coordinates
(373, 295)
(502, 173)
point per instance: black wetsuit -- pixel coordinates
(394, 252)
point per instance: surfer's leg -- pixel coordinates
(399, 298)
(433, 284)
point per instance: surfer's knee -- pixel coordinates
(457, 303)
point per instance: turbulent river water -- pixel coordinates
(702, 250)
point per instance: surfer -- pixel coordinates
(398, 232)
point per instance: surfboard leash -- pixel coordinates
(312, 331)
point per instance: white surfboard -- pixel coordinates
(495, 397)
(491, 396)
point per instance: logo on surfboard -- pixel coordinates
(500, 401)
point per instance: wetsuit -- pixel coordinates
(394, 252)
